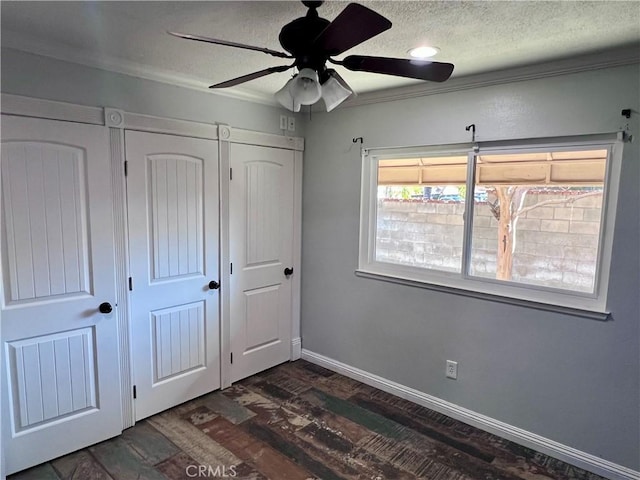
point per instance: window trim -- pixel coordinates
(585, 304)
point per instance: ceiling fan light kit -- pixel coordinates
(305, 89)
(312, 42)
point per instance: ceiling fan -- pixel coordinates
(312, 42)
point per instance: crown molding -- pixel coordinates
(622, 56)
(628, 55)
(22, 43)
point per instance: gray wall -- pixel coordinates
(43, 77)
(569, 379)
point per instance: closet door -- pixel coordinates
(261, 248)
(172, 195)
(60, 381)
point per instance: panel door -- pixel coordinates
(172, 190)
(60, 384)
(261, 247)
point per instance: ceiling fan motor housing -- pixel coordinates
(297, 38)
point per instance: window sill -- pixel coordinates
(576, 312)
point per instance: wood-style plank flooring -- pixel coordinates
(299, 421)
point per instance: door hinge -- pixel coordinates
(231, 357)
(231, 269)
(231, 174)
(126, 168)
(130, 284)
(135, 392)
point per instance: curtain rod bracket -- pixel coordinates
(357, 139)
(472, 127)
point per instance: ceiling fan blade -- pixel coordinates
(354, 25)
(251, 76)
(200, 38)
(401, 67)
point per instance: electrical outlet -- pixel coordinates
(283, 122)
(452, 369)
(292, 124)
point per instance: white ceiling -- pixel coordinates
(476, 36)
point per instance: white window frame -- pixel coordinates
(546, 298)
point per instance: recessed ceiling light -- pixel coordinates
(423, 52)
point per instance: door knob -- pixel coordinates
(288, 271)
(105, 307)
(213, 285)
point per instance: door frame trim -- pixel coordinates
(118, 121)
(224, 150)
(36, 107)
(121, 244)
(296, 341)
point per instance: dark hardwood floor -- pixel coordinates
(299, 421)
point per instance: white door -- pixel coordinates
(172, 195)
(61, 383)
(261, 248)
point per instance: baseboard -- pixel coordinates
(549, 447)
(296, 348)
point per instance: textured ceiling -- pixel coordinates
(477, 36)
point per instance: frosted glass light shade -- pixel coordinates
(334, 93)
(284, 97)
(305, 88)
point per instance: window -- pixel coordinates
(419, 221)
(529, 222)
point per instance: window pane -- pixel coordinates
(537, 218)
(420, 210)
